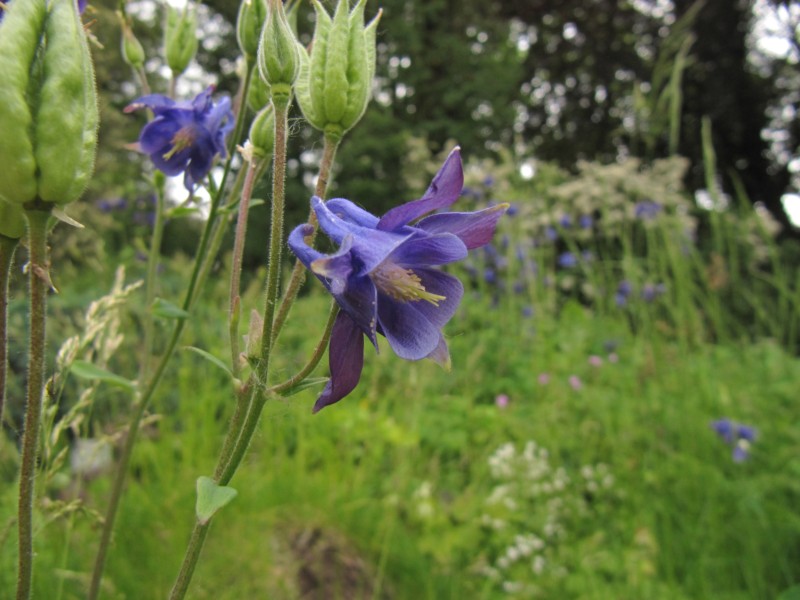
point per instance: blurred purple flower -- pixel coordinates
(567, 260)
(501, 400)
(383, 276)
(585, 222)
(647, 210)
(512, 211)
(738, 436)
(544, 378)
(650, 292)
(613, 357)
(565, 221)
(595, 361)
(551, 233)
(185, 136)
(527, 311)
(575, 382)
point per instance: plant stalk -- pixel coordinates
(258, 395)
(39, 282)
(298, 275)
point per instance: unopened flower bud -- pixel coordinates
(252, 14)
(278, 52)
(132, 51)
(48, 103)
(336, 79)
(12, 220)
(262, 132)
(180, 38)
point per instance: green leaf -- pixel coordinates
(211, 497)
(86, 370)
(167, 310)
(182, 211)
(211, 358)
(307, 383)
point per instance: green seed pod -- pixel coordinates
(66, 122)
(132, 51)
(12, 221)
(278, 54)
(48, 103)
(252, 14)
(262, 132)
(335, 81)
(20, 34)
(180, 38)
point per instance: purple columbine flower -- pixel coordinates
(738, 436)
(384, 278)
(185, 136)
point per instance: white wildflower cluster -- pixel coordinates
(529, 514)
(423, 501)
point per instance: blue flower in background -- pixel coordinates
(647, 210)
(383, 276)
(650, 292)
(551, 233)
(585, 222)
(738, 436)
(565, 221)
(185, 136)
(567, 260)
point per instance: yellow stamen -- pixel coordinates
(402, 284)
(183, 138)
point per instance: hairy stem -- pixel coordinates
(150, 284)
(316, 356)
(7, 248)
(227, 465)
(298, 275)
(253, 170)
(39, 280)
(203, 259)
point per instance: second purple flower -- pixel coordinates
(384, 274)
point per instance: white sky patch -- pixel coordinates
(791, 204)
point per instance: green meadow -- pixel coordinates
(568, 453)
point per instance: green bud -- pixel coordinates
(259, 94)
(132, 51)
(262, 132)
(180, 38)
(278, 52)
(252, 14)
(12, 221)
(335, 80)
(48, 103)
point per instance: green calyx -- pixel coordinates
(180, 38)
(48, 103)
(335, 80)
(279, 50)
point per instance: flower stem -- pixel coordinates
(150, 284)
(227, 466)
(210, 239)
(312, 363)
(253, 171)
(298, 275)
(7, 248)
(39, 280)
